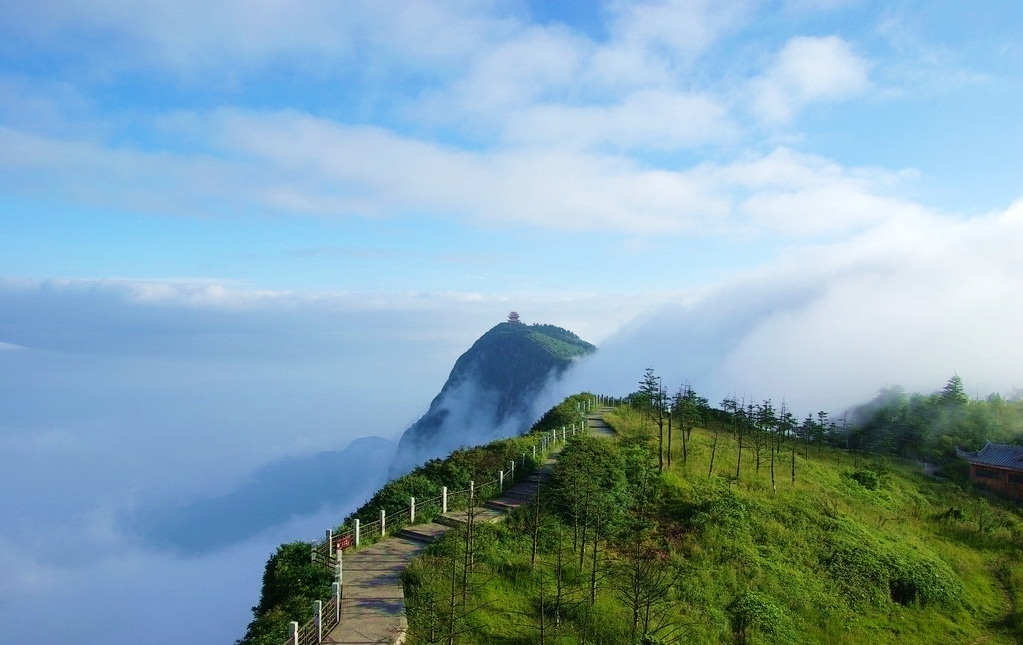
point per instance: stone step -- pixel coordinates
(524, 493)
(424, 533)
(505, 505)
(449, 521)
(490, 515)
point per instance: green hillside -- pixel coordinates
(509, 366)
(292, 580)
(854, 549)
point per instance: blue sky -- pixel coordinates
(233, 232)
(458, 146)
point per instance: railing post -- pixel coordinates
(330, 543)
(534, 451)
(358, 532)
(412, 511)
(383, 523)
(513, 469)
(336, 589)
(339, 570)
(563, 437)
(472, 491)
(500, 481)
(293, 632)
(318, 613)
(443, 499)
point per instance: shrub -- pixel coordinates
(751, 611)
(717, 506)
(871, 476)
(867, 570)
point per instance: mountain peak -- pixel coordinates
(492, 389)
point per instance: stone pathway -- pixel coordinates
(373, 603)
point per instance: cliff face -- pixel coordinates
(492, 390)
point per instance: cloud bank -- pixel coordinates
(910, 302)
(160, 438)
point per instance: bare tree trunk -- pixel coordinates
(452, 602)
(793, 464)
(685, 440)
(536, 529)
(582, 543)
(543, 612)
(660, 446)
(470, 523)
(738, 460)
(669, 440)
(713, 450)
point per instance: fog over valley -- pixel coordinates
(243, 245)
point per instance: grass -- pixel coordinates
(854, 551)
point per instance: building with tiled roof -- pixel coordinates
(998, 466)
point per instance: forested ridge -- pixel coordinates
(738, 523)
(743, 524)
(292, 581)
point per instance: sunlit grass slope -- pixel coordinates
(854, 550)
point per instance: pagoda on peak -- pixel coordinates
(513, 317)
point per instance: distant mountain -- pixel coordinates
(276, 493)
(492, 390)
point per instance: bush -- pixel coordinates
(751, 611)
(291, 582)
(867, 570)
(866, 478)
(871, 476)
(717, 506)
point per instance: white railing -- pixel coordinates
(329, 552)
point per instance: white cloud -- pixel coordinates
(805, 196)
(805, 71)
(292, 163)
(650, 119)
(508, 75)
(189, 38)
(908, 302)
(676, 29)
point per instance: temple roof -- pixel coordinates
(999, 455)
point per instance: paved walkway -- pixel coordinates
(373, 607)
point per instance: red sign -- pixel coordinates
(344, 542)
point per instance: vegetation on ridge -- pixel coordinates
(505, 369)
(291, 581)
(787, 538)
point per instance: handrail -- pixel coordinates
(316, 628)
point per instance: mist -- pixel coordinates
(825, 327)
(466, 415)
(135, 412)
(159, 440)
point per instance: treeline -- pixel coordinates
(292, 581)
(675, 532)
(895, 423)
(930, 426)
(559, 556)
(767, 431)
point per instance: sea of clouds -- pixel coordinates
(124, 398)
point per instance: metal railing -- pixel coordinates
(329, 551)
(326, 615)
